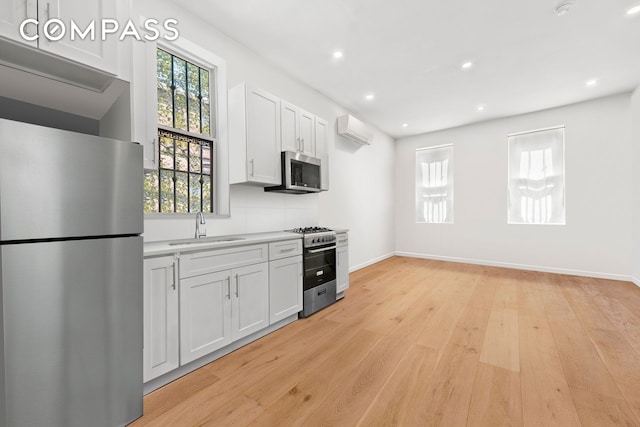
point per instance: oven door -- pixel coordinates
(319, 266)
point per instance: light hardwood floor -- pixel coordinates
(428, 343)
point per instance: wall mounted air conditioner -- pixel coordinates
(354, 129)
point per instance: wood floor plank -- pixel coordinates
(597, 410)
(496, 399)
(448, 393)
(311, 386)
(546, 399)
(501, 347)
(347, 404)
(428, 343)
(583, 366)
(397, 399)
(157, 403)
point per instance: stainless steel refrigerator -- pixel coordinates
(70, 278)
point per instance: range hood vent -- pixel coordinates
(353, 129)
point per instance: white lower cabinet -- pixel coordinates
(342, 262)
(250, 302)
(161, 342)
(205, 314)
(219, 308)
(285, 288)
(198, 302)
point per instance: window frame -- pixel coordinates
(217, 67)
(450, 185)
(564, 176)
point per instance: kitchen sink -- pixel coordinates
(205, 240)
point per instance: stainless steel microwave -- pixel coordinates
(299, 173)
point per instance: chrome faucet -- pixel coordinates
(200, 221)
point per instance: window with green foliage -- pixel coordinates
(184, 181)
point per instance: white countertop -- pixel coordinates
(165, 247)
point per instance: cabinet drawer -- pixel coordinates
(197, 263)
(342, 239)
(285, 249)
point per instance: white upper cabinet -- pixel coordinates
(321, 128)
(14, 12)
(254, 136)
(289, 125)
(297, 129)
(87, 48)
(96, 53)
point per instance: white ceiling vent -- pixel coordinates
(354, 129)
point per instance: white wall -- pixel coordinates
(635, 134)
(596, 240)
(361, 193)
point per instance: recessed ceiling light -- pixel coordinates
(338, 54)
(634, 10)
(591, 83)
(404, 125)
(481, 107)
(369, 96)
(467, 65)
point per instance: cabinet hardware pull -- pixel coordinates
(237, 292)
(302, 140)
(26, 15)
(287, 250)
(228, 287)
(252, 167)
(153, 150)
(175, 278)
(48, 11)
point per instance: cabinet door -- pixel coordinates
(205, 314)
(289, 129)
(91, 51)
(342, 260)
(250, 309)
(321, 133)
(160, 317)
(12, 13)
(285, 288)
(263, 137)
(307, 136)
(144, 102)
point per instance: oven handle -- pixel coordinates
(315, 251)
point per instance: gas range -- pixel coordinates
(319, 265)
(316, 236)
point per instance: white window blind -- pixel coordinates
(434, 184)
(536, 177)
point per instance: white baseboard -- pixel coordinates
(635, 281)
(372, 261)
(585, 273)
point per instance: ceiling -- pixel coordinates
(409, 53)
